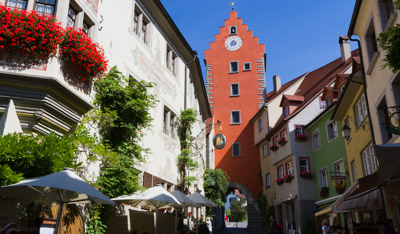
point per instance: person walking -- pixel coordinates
(273, 225)
(291, 226)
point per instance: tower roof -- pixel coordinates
(9, 122)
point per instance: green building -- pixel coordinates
(330, 171)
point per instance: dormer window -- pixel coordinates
(286, 111)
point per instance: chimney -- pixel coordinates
(344, 47)
(277, 83)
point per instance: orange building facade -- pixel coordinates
(235, 65)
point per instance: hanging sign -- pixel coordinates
(219, 141)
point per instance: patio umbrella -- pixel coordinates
(155, 197)
(63, 187)
(183, 199)
(201, 201)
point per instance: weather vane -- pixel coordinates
(232, 4)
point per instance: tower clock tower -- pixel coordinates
(235, 65)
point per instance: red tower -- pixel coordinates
(235, 82)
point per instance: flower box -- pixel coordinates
(288, 178)
(306, 175)
(324, 192)
(282, 141)
(301, 137)
(274, 148)
(280, 181)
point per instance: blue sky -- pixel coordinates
(299, 35)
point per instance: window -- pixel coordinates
(232, 30)
(233, 67)
(140, 25)
(370, 39)
(235, 117)
(246, 66)
(71, 17)
(323, 178)
(17, 4)
(281, 172)
(169, 119)
(235, 89)
(283, 135)
(331, 130)
(360, 110)
(268, 180)
(289, 168)
(369, 160)
(276, 140)
(386, 9)
(265, 150)
(384, 120)
(322, 103)
(171, 60)
(269, 147)
(354, 170)
(316, 141)
(338, 168)
(85, 27)
(260, 126)
(46, 7)
(298, 129)
(304, 165)
(286, 111)
(235, 149)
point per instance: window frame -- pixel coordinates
(169, 119)
(240, 119)
(239, 149)
(230, 30)
(322, 103)
(321, 178)
(268, 180)
(260, 125)
(334, 129)
(370, 42)
(265, 150)
(268, 147)
(291, 171)
(279, 171)
(341, 171)
(283, 135)
(46, 4)
(231, 68)
(286, 111)
(313, 140)
(238, 90)
(16, 3)
(371, 160)
(385, 13)
(360, 110)
(354, 170)
(244, 66)
(70, 8)
(142, 23)
(307, 159)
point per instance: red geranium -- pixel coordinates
(280, 181)
(29, 35)
(86, 57)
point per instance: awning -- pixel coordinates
(362, 195)
(325, 210)
(389, 160)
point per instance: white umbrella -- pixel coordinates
(201, 201)
(183, 199)
(63, 187)
(155, 197)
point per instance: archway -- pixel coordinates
(253, 213)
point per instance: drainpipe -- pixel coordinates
(364, 86)
(185, 89)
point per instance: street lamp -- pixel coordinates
(346, 132)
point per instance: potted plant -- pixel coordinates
(305, 175)
(282, 141)
(288, 178)
(301, 137)
(324, 192)
(274, 148)
(280, 181)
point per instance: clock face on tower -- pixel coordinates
(233, 43)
